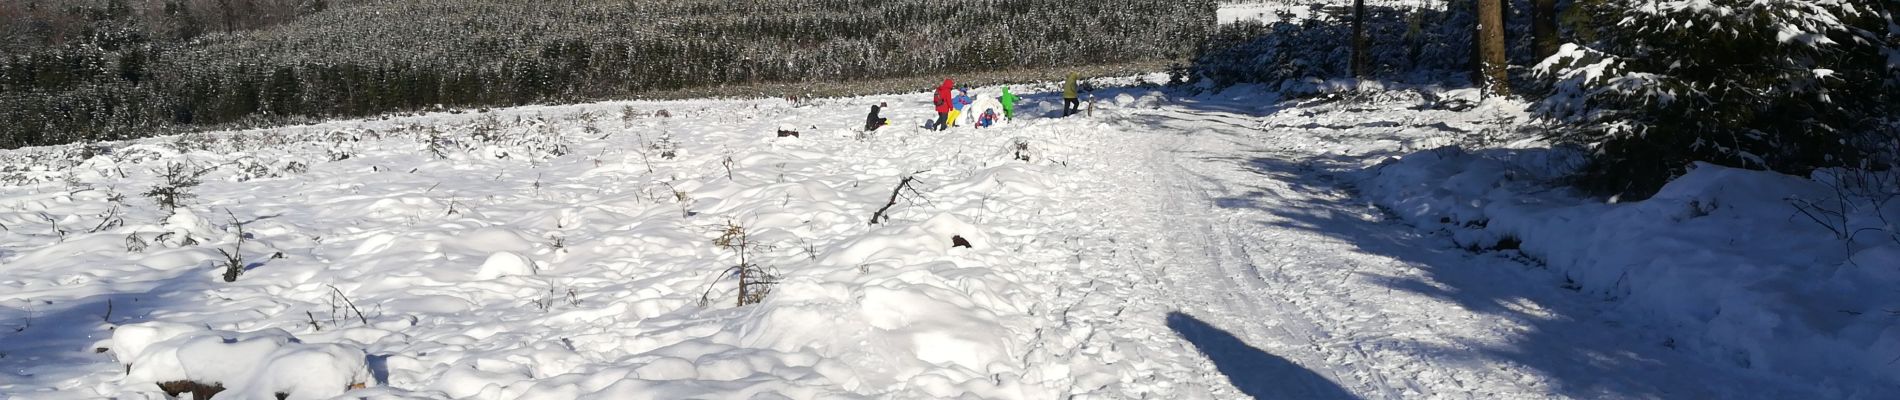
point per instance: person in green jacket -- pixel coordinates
(1009, 104)
(1070, 103)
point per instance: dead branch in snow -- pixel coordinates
(895, 193)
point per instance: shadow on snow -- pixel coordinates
(1257, 373)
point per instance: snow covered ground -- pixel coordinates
(1782, 273)
(1163, 247)
(1256, 11)
(1298, 207)
(559, 253)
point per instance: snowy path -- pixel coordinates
(1264, 263)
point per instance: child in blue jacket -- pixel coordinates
(958, 104)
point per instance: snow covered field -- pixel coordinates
(1165, 247)
(558, 253)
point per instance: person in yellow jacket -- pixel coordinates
(1070, 103)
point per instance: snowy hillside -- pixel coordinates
(1163, 246)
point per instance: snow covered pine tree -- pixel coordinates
(1783, 85)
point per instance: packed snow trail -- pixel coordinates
(1292, 289)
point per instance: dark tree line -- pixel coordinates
(137, 72)
(1365, 40)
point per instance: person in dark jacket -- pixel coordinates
(872, 122)
(942, 101)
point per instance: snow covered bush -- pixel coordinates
(754, 280)
(665, 146)
(235, 365)
(249, 167)
(1765, 84)
(233, 261)
(175, 188)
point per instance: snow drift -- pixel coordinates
(1773, 272)
(248, 365)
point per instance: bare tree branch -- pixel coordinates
(895, 192)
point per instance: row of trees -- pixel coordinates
(1649, 87)
(124, 79)
(29, 25)
(1490, 65)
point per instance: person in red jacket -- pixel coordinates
(942, 101)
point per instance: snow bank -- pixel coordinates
(1727, 258)
(249, 365)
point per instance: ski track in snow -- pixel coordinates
(1202, 247)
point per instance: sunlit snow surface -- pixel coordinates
(1165, 245)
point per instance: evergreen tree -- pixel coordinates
(152, 65)
(1768, 84)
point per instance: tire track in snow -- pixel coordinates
(1288, 298)
(1198, 279)
(1243, 292)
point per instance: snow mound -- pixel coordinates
(129, 341)
(250, 365)
(505, 263)
(1725, 256)
(937, 331)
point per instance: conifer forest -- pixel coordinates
(82, 70)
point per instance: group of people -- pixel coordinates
(956, 107)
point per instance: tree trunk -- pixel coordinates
(1544, 28)
(743, 285)
(1493, 66)
(230, 17)
(1475, 63)
(1359, 55)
